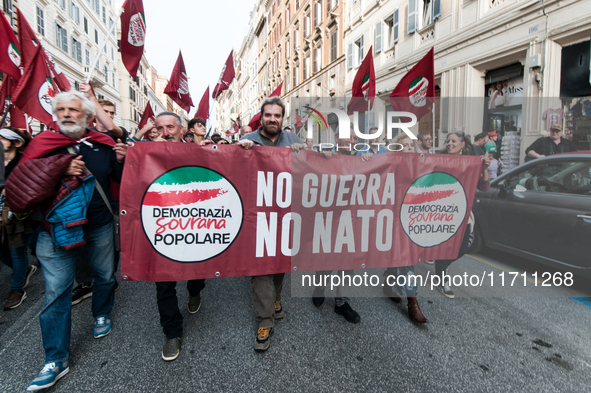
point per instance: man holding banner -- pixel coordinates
(171, 319)
(266, 289)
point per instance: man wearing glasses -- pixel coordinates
(554, 143)
(425, 143)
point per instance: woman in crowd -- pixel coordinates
(150, 130)
(457, 143)
(17, 229)
(395, 292)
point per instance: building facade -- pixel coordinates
(515, 47)
(297, 43)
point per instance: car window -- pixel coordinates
(571, 177)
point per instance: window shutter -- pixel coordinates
(412, 16)
(395, 25)
(378, 37)
(436, 9)
(350, 57)
(65, 40)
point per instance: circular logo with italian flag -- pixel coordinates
(434, 207)
(45, 96)
(137, 30)
(191, 214)
(417, 91)
(13, 54)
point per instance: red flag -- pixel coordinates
(28, 40)
(133, 35)
(277, 91)
(203, 109)
(235, 127)
(226, 77)
(178, 86)
(15, 117)
(364, 86)
(10, 51)
(60, 80)
(416, 90)
(148, 115)
(255, 122)
(35, 91)
(30, 45)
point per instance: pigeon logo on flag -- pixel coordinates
(417, 92)
(183, 83)
(137, 30)
(45, 95)
(13, 54)
(434, 207)
(191, 214)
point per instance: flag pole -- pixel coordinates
(433, 136)
(5, 114)
(104, 46)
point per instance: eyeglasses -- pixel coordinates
(555, 130)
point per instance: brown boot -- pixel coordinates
(390, 294)
(414, 311)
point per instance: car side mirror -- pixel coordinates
(502, 189)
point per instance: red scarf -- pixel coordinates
(48, 141)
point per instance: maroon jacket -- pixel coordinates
(35, 181)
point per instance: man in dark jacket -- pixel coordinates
(267, 289)
(98, 154)
(171, 128)
(552, 144)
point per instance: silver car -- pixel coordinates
(541, 211)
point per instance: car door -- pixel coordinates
(545, 210)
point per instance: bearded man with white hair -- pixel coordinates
(74, 215)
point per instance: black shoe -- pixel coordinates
(81, 292)
(346, 311)
(318, 296)
(172, 349)
(116, 285)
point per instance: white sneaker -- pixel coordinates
(446, 291)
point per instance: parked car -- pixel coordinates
(541, 211)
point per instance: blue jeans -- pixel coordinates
(18, 260)
(58, 268)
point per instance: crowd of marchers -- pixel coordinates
(60, 202)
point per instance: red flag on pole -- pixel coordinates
(203, 108)
(10, 51)
(226, 77)
(35, 91)
(178, 86)
(416, 90)
(364, 86)
(255, 122)
(15, 117)
(148, 115)
(59, 78)
(133, 35)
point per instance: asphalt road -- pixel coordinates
(488, 339)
